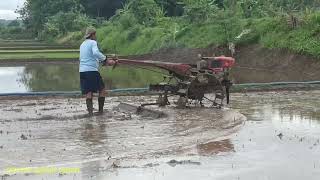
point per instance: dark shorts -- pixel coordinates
(91, 81)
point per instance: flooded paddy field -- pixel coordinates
(59, 75)
(267, 135)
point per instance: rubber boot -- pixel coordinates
(89, 106)
(101, 104)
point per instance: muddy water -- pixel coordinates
(65, 77)
(279, 139)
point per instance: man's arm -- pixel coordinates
(97, 54)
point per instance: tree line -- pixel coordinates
(55, 17)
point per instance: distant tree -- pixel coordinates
(102, 8)
(200, 10)
(14, 23)
(35, 13)
(220, 4)
(171, 7)
(146, 12)
(62, 23)
(2, 22)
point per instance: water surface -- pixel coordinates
(65, 77)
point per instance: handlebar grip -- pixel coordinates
(115, 65)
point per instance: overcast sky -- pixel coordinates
(7, 8)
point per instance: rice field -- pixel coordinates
(28, 49)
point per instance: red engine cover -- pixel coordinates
(218, 64)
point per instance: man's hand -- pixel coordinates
(109, 62)
(104, 63)
(112, 62)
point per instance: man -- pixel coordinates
(90, 78)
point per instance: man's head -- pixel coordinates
(91, 33)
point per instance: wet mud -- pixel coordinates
(57, 131)
(262, 135)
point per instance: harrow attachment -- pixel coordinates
(201, 84)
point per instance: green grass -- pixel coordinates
(24, 56)
(133, 41)
(21, 42)
(40, 51)
(36, 47)
(274, 33)
(270, 32)
(170, 33)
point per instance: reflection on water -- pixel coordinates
(300, 107)
(65, 77)
(10, 80)
(50, 77)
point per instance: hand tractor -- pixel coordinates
(207, 80)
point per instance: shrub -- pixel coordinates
(62, 23)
